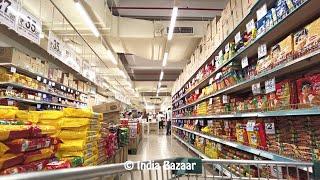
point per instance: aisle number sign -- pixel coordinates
(55, 46)
(29, 26)
(9, 13)
(270, 85)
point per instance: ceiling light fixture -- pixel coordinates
(161, 75)
(165, 58)
(159, 85)
(172, 22)
(111, 57)
(122, 74)
(87, 19)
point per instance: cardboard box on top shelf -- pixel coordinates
(10, 55)
(237, 14)
(220, 31)
(107, 108)
(214, 26)
(80, 85)
(247, 5)
(233, 3)
(208, 34)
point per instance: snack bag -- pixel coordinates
(33, 166)
(8, 132)
(24, 145)
(309, 91)
(51, 114)
(81, 113)
(38, 155)
(74, 161)
(58, 165)
(77, 122)
(73, 145)
(74, 134)
(9, 160)
(3, 149)
(8, 112)
(43, 130)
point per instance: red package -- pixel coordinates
(9, 160)
(308, 89)
(24, 145)
(33, 166)
(8, 132)
(38, 155)
(42, 131)
(58, 165)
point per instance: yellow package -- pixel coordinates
(8, 112)
(51, 114)
(14, 132)
(77, 122)
(32, 116)
(73, 145)
(55, 122)
(70, 134)
(47, 129)
(85, 154)
(3, 149)
(95, 127)
(91, 160)
(81, 113)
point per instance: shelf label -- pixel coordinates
(218, 75)
(68, 89)
(197, 91)
(13, 69)
(29, 26)
(244, 62)
(256, 88)
(71, 91)
(276, 171)
(44, 96)
(237, 38)
(196, 122)
(250, 125)
(225, 99)
(10, 102)
(62, 87)
(38, 106)
(226, 48)
(9, 13)
(9, 88)
(270, 85)
(50, 83)
(210, 122)
(59, 99)
(210, 81)
(270, 129)
(262, 51)
(53, 84)
(45, 81)
(250, 25)
(262, 12)
(55, 46)
(38, 78)
(210, 101)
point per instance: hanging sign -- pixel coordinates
(29, 26)
(55, 46)
(9, 13)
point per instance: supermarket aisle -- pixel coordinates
(159, 146)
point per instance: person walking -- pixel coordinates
(169, 117)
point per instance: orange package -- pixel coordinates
(9, 160)
(38, 155)
(14, 132)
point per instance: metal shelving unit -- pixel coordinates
(16, 85)
(274, 34)
(258, 152)
(203, 156)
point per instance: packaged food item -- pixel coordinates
(3, 149)
(80, 113)
(9, 160)
(8, 112)
(283, 51)
(8, 132)
(33, 166)
(38, 155)
(24, 145)
(241, 133)
(308, 89)
(74, 161)
(62, 164)
(77, 122)
(75, 134)
(76, 145)
(43, 130)
(51, 114)
(257, 136)
(91, 160)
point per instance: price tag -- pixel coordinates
(77, 93)
(262, 51)
(38, 78)
(197, 91)
(210, 81)
(38, 106)
(225, 99)
(29, 26)
(220, 54)
(62, 87)
(276, 171)
(45, 81)
(53, 84)
(50, 83)
(250, 125)
(270, 129)
(71, 91)
(262, 12)
(39, 94)
(9, 88)
(270, 85)
(59, 99)
(256, 89)
(44, 96)
(10, 102)
(55, 46)
(68, 89)
(250, 26)
(244, 62)
(226, 48)
(210, 101)
(226, 124)
(13, 69)
(196, 122)
(210, 122)
(237, 38)
(218, 75)
(9, 13)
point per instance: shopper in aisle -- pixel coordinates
(169, 117)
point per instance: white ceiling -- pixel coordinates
(144, 39)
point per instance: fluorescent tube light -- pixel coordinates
(172, 22)
(87, 19)
(165, 58)
(111, 57)
(159, 85)
(161, 75)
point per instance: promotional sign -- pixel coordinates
(29, 26)
(9, 13)
(55, 46)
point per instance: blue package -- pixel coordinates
(281, 9)
(269, 20)
(297, 3)
(261, 26)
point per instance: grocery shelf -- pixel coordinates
(35, 75)
(34, 101)
(285, 26)
(16, 85)
(288, 67)
(291, 112)
(248, 149)
(200, 154)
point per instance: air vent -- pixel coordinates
(181, 30)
